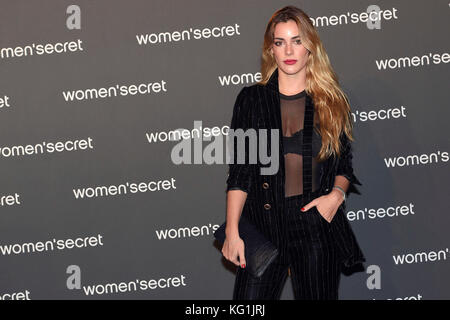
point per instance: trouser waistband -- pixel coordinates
(300, 199)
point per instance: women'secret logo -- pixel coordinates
(242, 147)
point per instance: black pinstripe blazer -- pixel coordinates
(258, 106)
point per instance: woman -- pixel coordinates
(301, 207)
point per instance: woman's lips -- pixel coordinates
(290, 61)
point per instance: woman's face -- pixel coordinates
(290, 54)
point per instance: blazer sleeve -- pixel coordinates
(345, 165)
(239, 177)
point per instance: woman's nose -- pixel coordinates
(288, 49)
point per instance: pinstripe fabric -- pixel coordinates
(307, 146)
(309, 251)
(258, 107)
(239, 176)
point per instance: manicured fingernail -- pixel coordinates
(303, 209)
(243, 265)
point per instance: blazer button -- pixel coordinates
(265, 185)
(267, 206)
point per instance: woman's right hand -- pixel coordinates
(234, 247)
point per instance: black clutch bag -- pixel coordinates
(259, 251)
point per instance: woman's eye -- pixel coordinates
(298, 41)
(277, 43)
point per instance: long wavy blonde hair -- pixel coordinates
(332, 109)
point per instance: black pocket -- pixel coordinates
(322, 217)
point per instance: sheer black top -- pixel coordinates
(292, 115)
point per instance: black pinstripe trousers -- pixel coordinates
(310, 256)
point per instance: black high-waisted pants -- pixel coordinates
(310, 255)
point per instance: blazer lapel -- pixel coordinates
(273, 90)
(272, 85)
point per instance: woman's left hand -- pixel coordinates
(327, 205)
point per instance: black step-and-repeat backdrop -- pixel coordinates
(95, 202)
